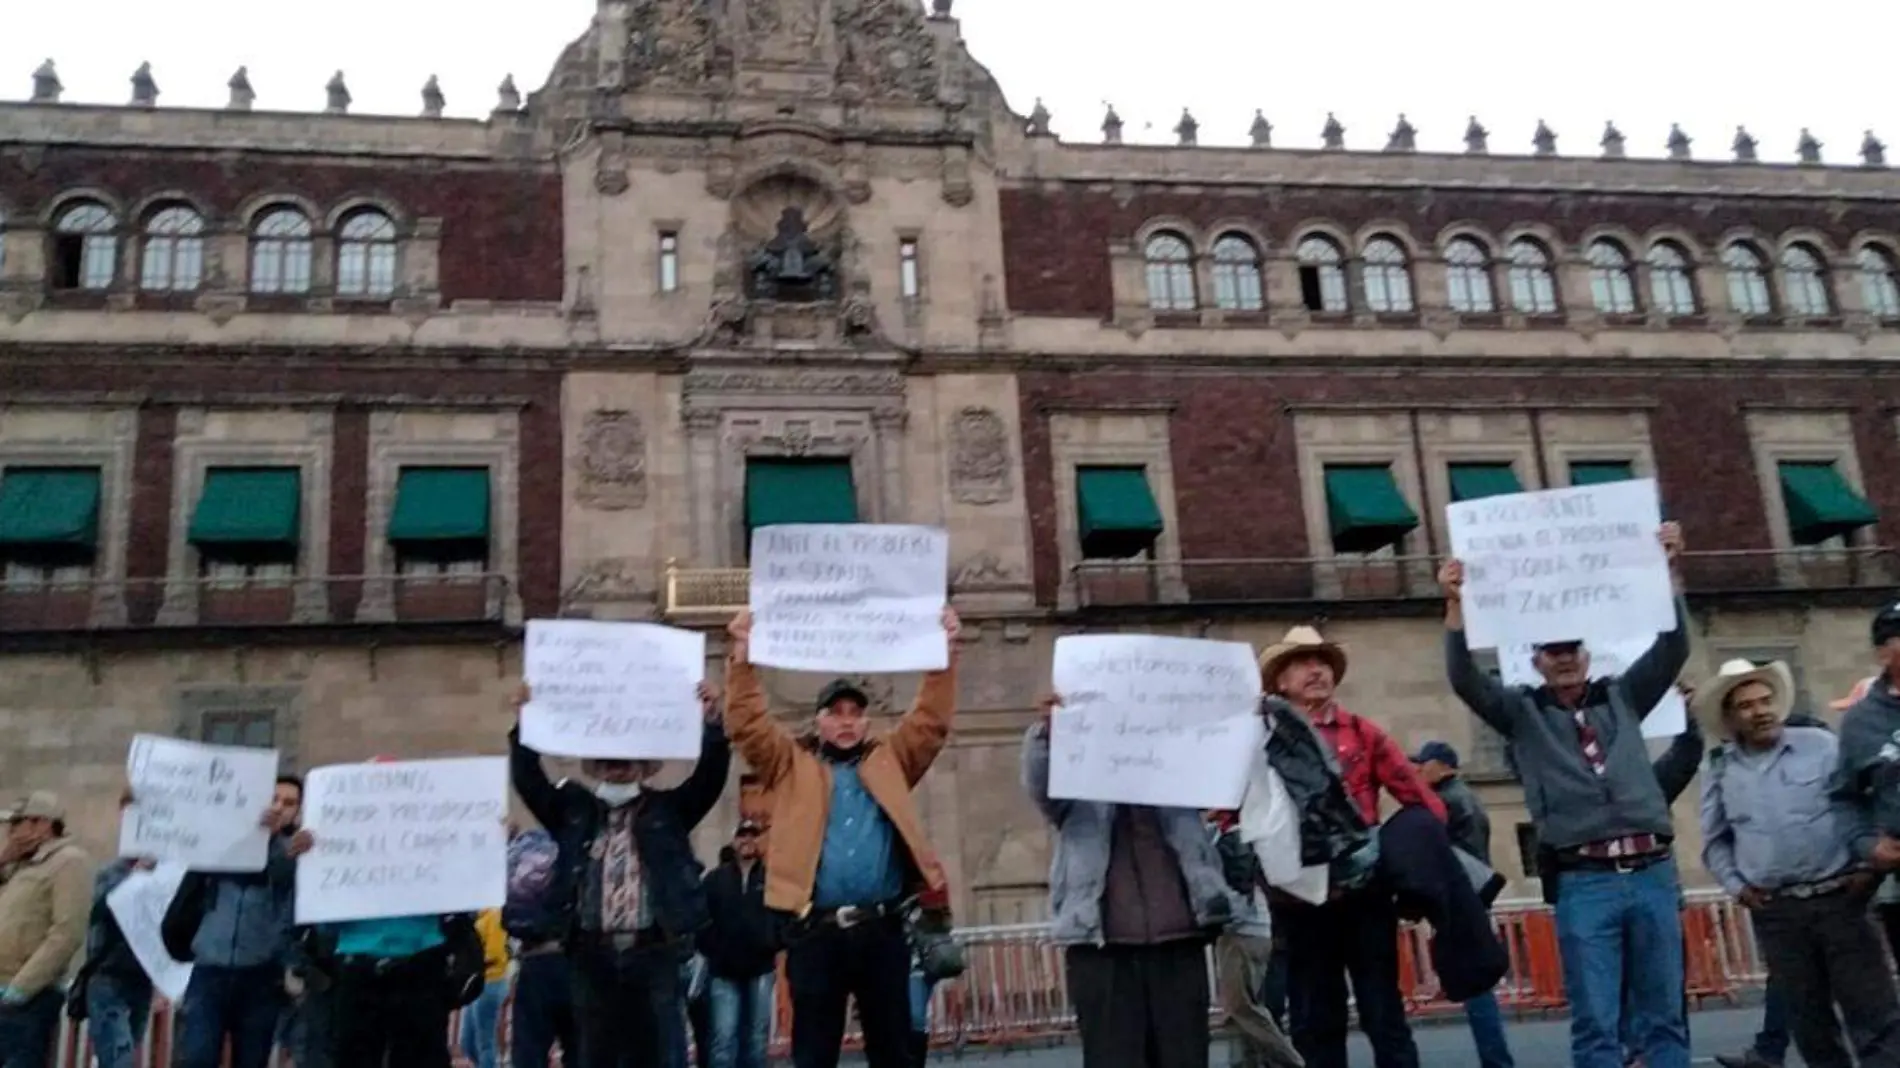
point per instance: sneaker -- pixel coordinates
(1750, 1059)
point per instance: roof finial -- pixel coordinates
(1111, 126)
(242, 96)
(1873, 153)
(507, 97)
(1039, 120)
(46, 87)
(940, 9)
(339, 95)
(1808, 149)
(1678, 143)
(1332, 135)
(1613, 142)
(1261, 131)
(432, 99)
(1404, 137)
(144, 87)
(1544, 141)
(1477, 138)
(1744, 146)
(1187, 130)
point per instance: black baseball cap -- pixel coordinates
(1887, 623)
(1439, 751)
(1570, 646)
(839, 690)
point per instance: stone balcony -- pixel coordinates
(142, 604)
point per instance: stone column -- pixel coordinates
(703, 482)
(889, 425)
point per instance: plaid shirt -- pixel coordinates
(1369, 760)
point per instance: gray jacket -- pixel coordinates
(247, 918)
(1078, 871)
(1465, 819)
(1571, 804)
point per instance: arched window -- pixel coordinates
(1804, 283)
(1747, 281)
(366, 256)
(85, 247)
(1879, 282)
(174, 258)
(1170, 273)
(1671, 289)
(1237, 274)
(1322, 275)
(1611, 287)
(1468, 277)
(280, 252)
(1388, 283)
(1533, 287)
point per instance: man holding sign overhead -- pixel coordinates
(1596, 802)
(847, 854)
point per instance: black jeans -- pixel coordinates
(27, 1031)
(1141, 1006)
(1826, 952)
(1357, 935)
(392, 1014)
(628, 1005)
(826, 968)
(543, 1010)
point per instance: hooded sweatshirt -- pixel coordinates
(1868, 778)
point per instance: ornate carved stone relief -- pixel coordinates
(612, 579)
(783, 31)
(888, 48)
(671, 43)
(852, 383)
(979, 457)
(985, 571)
(612, 461)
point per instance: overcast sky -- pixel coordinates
(1708, 64)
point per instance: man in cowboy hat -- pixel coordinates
(1356, 931)
(1777, 842)
(1595, 800)
(847, 855)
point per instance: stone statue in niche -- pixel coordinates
(612, 461)
(979, 460)
(791, 266)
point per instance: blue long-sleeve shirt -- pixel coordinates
(1768, 820)
(857, 865)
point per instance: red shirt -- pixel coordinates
(1368, 760)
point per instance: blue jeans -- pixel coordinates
(741, 1018)
(243, 1003)
(1605, 918)
(1487, 1031)
(116, 1011)
(26, 1031)
(480, 1023)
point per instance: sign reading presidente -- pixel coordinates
(1560, 564)
(407, 838)
(621, 691)
(198, 805)
(855, 598)
(1149, 720)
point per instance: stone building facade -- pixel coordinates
(309, 412)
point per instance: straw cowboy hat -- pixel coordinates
(1707, 703)
(1302, 641)
(1854, 695)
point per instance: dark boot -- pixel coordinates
(919, 1048)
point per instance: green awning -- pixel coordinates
(778, 492)
(1597, 472)
(1471, 482)
(249, 506)
(46, 507)
(1116, 511)
(438, 504)
(1821, 505)
(1365, 508)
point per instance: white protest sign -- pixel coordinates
(199, 805)
(855, 598)
(407, 838)
(626, 691)
(139, 904)
(1559, 564)
(1149, 720)
(1669, 718)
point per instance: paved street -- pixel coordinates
(1537, 1043)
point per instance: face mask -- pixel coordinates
(617, 793)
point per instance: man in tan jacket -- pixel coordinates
(43, 909)
(847, 853)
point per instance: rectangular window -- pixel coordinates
(49, 524)
(1473, 482)
(1116, 513)
(909, 272)
(84, 261)
(669, 262)
(1822, 509)
(252, 729)
(1598, 472)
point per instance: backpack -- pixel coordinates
(531, 912)
(467, 963)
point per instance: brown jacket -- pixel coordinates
(798, 784)
(43, 911)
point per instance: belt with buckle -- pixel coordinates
(1622, 865)
(846, 917)
(1806, 891)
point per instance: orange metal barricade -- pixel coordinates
(1016, 989)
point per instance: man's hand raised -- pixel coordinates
(1451, 579)
(740, 633)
